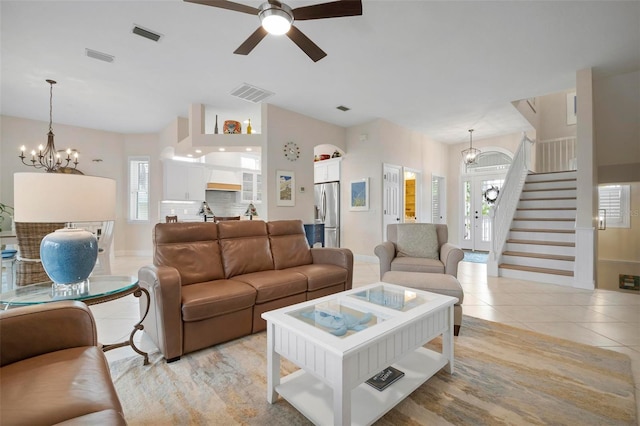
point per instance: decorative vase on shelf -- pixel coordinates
(215, 129)
(249, 127)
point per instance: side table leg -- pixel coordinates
(447, 342)
(273, 365)
(136, 327)
(139, 325)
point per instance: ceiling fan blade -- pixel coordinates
(229, 5)
(310, 48)
(253, 40)
(334, 9)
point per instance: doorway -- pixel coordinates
(488, 172)
(412, 195)
(476, 218)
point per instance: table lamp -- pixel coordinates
(251, 211)
(68, 255)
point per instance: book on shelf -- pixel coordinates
(385, 378)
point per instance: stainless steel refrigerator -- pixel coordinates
(327, 211)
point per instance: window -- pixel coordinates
(139, 188)
(615, 200)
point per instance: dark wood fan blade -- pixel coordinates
(310, 48)
(253, 40)
(334, 9)
(229, 5)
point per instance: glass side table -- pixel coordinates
(97, 289)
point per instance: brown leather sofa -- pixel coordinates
(52, 370)
(210, 282)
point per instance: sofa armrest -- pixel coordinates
(335, 256)
(35, 330)
(386, 252)
(164, 320)
(451, 255)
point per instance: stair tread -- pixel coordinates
(540, 255)
(543, 243)
(549, 189)
(548, 198)
(555, 231)
(536, 269)
(552, 180)
(546, 208)
(546, 219)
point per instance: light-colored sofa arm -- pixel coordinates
(386, 252)
(451, 255)
(335, 256)
(163, 323)
(39, 329)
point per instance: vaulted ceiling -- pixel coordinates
(437, 67)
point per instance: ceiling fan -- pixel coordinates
(277, 18)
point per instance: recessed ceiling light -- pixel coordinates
(198, 151)
(221, 149)
(189, 155)
(248, 149)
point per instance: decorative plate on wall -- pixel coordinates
(231, 126)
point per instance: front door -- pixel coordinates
(476, 223)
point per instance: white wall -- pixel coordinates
(284, 126)
(552, 113)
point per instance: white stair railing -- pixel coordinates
(504, 209)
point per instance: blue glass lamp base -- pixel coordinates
(68, 255)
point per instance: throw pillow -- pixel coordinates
(418, 240)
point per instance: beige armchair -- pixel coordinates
(418, 247)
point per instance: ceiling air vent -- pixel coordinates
(143, 32)
(251, 93)
(99, 55)
(343, 108)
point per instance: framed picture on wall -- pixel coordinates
(285, 188)
(359, 195)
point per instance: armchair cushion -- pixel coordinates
(418, 240)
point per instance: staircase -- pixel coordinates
(541, 241)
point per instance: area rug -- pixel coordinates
(475, 256)
(503, 376)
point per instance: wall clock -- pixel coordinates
(291, 151)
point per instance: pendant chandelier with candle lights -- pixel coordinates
(47, 157)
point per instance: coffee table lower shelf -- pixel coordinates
(314, 398)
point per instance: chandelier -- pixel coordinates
(470, 155)
(48, 158)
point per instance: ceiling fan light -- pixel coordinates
(276, 20)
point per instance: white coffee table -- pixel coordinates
(330, 387)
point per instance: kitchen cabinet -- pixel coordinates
(184, 181)
(327, 170)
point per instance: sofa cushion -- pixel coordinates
(213, 298)
(289, 245)
(192, 248)
(417, 264)
(321, 276)
(272, 285)
(245, 247)
(62, 385)
(418, 240)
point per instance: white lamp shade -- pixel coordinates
(57, 197)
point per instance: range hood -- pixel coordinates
(218, 186)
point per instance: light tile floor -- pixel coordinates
(602, 318)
